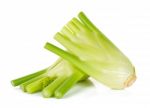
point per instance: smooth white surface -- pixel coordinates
(25, 25)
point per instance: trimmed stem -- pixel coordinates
(23, 86)
(106, 43)
(67, 84)
(87, 22)
(26, 78)
(62, 53)
(49, 90)
(73, 59)
(23, 79)
(38, 85)
(72, 27)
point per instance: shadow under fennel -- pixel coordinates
(80, 87)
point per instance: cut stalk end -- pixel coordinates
(130, 80)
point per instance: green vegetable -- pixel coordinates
(52, 81)
(93, 53)
(89, 53)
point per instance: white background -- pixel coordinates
(25, 26)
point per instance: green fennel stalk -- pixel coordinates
(52, 79)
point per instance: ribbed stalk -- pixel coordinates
(23, 79)
(38, 85)
(49, 90)
(23, 86)
(67, 84)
